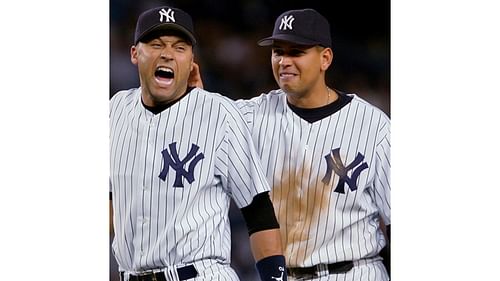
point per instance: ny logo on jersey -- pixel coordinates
(172, 160)
(334, 163)
(286, 22)
(169, 15)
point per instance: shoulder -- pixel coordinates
(212, 96)
(122, 98)
(263, 100)
(213, 99)
(125, 95)
(379, 121)
(362, 102)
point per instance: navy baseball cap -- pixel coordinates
(302, 27)
(164, 18)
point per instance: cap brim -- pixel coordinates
(166, 27)
(268, 41)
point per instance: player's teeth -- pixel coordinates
(165, 69)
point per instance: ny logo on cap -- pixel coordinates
(169, 15)
(286, 22)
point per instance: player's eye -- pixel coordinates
(296, 52)
(278, 52)
(181, 48)
(155, 43)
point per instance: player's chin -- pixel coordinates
(288, 82)
(162, 93)
(287, 87)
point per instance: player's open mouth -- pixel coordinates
(164, 74)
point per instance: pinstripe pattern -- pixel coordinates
(156, 224)
(317, 224)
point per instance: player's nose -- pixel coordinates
(284, 60)
(166, 54)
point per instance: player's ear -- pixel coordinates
(326, 58)
(194, 79)
(133, 54)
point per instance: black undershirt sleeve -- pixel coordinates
(259, 215)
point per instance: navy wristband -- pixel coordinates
(272, 268)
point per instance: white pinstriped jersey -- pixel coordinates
(330, 179)
(172, 177)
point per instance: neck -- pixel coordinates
(313, 99)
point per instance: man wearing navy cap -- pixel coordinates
(326, 154)
(179, 154)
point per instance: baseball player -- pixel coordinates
(326, 154)
(178, 155)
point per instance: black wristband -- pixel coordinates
(259, 215)
(272, 268)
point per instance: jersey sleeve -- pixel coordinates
(115, 104)
(239, 165)
(247, 109)
(382, 181)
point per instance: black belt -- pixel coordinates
(184, 273)
(315, 271)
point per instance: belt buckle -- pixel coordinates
(153, 278)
